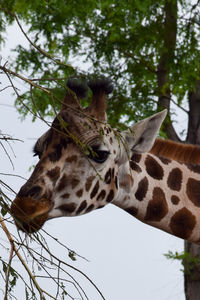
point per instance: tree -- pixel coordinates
(150, 49)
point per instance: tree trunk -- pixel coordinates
(166, 56)
(192, 280)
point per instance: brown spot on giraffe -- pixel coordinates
(54, 174)
(74, 182)
(116, 182)
(101, 195)
(136, 157)
(175, 199)
(72, 158)
(56, 153)
(182, 223)
(142, 189)
(90, 208)
(82, 207)
(132, 210)
(108, 177)
(62, 183)
(135, 167)
(174, 179)
(193, 191)
(79, 193)
(68, 207)
(89, 183)
(157, 208)
(110, 196)
(153, 168)
(95, 190)
(65, 196)
(164, 160)
(66, 181)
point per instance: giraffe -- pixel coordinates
(84, 164)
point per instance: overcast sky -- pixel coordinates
(126, 256)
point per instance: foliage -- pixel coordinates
(189, 262)
(122, 39)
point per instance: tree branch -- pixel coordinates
(12, 243)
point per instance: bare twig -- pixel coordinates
(6, 70)
(72, 267)
(43, 52)
(8, 271)
(7, 154)
(9, 86)
(15, 175)
(12, 243)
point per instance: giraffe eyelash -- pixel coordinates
(37, 149)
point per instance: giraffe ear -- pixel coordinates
(145, 132)
(141, 136)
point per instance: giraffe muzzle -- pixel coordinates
(29, 214)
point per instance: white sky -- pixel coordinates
(126, 256)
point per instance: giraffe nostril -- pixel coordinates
(32, 192)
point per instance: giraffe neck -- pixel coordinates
(162, 193)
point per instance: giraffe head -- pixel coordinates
(79, 159)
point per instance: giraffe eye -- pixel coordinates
(98, 156)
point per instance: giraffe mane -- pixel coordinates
(185, 153)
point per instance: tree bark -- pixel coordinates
(167, 56)
(193, 135)
(192, 280)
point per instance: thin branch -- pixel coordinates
(6, 152)
(47, 79)
(3, 68)
(43, 52)
(179, 106)
(7, 174)
(7, 187)
(72, 267)
(8, 271)
(12, 243)
(9, 86)
(58, 280)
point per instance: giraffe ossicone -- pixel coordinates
(85, 164)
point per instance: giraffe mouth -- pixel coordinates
(30, 215)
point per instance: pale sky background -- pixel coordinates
(126, 256)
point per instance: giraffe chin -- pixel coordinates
(29, 214)
(32, 225)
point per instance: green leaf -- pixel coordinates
(3, 212)
(71, 255)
